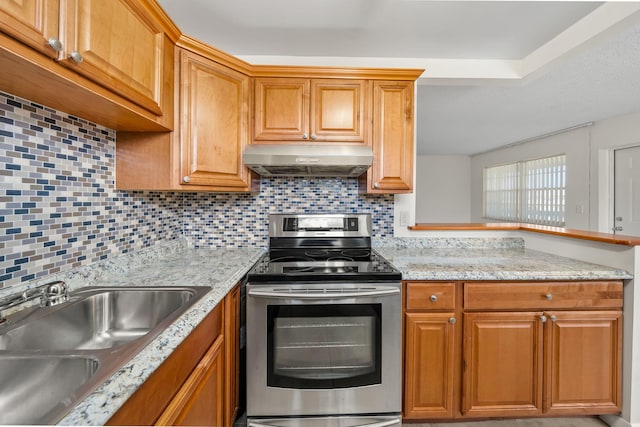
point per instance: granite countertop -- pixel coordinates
(497, 263)
(221, 269)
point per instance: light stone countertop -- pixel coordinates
(457, 264)
(174, 264)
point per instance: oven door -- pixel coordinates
(323, 349)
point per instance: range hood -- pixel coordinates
(308, 160)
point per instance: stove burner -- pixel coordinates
(317, 253)
(356, 253)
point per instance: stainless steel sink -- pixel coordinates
(37, 388)
(98, 318)
(52, 357)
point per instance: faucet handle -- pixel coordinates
(54, 293)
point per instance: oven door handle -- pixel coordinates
(369, 292)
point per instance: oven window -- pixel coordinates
(324, 346)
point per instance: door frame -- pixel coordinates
(606, 189)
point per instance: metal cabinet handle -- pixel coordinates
(55, 44)
(618, 228)
(186, 179)
(549, 297)
(376, 185)
(452, 320)
(305, 136)
(76, 57)
(313, 136)
(553, 317)
(543, 318)
(433, 298)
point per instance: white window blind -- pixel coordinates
(532, 191)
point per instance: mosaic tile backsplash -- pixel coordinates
(59, 208)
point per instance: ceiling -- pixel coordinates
(496, 72)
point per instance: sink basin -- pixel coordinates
(99, 318)
(52, 357)
(36, 388)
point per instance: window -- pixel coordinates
(531, 191)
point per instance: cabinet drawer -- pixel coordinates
(431, 296)
(542, 295)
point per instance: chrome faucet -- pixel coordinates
(50, 294)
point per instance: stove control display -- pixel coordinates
(311, 223)
(351, 224)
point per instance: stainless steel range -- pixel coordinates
(323, 327)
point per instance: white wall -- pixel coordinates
(443, 191)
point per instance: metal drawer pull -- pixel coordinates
(549, 297)
(433, 298)
(452, 320)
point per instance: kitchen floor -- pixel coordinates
(525, 422)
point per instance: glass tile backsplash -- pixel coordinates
(59, 208)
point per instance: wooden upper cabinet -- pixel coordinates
(392, 139)
(33, 22)
(115, 44)
(214, 109)
(310, 110)
(281, 109)
(338, 110)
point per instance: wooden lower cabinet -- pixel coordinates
(200, 400)
(198, 383)
(232, 356)
(554, 350)
(583, 362)
(430, 362)
(502, 364)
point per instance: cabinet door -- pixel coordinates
(338, 110)
(232, 361)
(33, 22)
(429, 365)
(392, 139)
(119, 46)
(583, 362)
(502, 365)
(214, 102)
(281, 109)
(200, 400)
